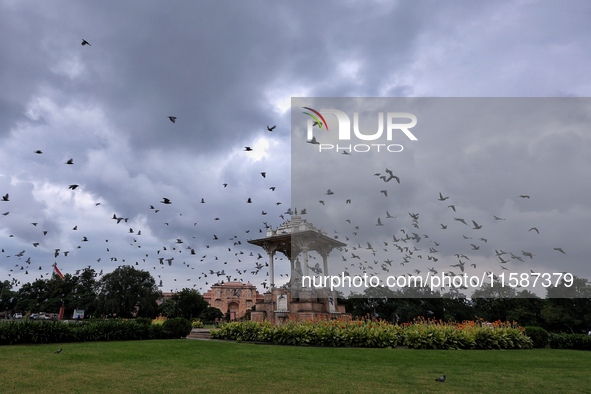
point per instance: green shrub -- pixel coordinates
(367, 333)
(178, 327)
(143, 320)
(538, 335)
(570, 341)
(197, 324)
(95, 330)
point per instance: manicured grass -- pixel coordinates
(186, 365)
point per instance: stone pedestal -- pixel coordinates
(279, 306)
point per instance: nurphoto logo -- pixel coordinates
(393, 124)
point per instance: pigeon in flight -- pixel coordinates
(84, 42)
(271, 128)
(313, 141)
(165, 201)
(172, 119)
(5, 197)
(248, 149)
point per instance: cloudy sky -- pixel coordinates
(227, 70)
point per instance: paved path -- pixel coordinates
(200, 333)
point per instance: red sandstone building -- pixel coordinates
(235, 298)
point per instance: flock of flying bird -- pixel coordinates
(407, 246)
(196, 253)
(403, 241)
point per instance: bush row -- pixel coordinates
(366, 333)
(542, 338)
(570, 341)
(34, 332)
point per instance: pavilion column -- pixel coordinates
(271, 269)
(324, 252)
(305, 261)
(271, 248)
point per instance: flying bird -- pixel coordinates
(84, 42)
(271, 128)
(560, 250)
(461, 220)
(5, 197)
(248, 149)
(172, 119)
(165, 201)
(313, 141)
(71, 161)
(441, 198)
(72, 187)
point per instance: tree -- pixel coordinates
(568, 306)
(84, 296)
(492, 302)
(168, 308)
(128, 292)
(190, 303)
(7, 296)
(210, 314)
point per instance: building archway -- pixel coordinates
(233, 310)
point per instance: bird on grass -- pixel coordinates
(441, 379)
(59, 351)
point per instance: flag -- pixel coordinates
(57, 271)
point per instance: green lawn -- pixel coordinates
(186, 365)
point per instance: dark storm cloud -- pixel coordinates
(227, 70)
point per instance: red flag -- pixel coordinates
(57, 271)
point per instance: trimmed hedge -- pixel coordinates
(538, 335)
(17, 332)
(179, 327)
(422, 334)
(570, 341)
